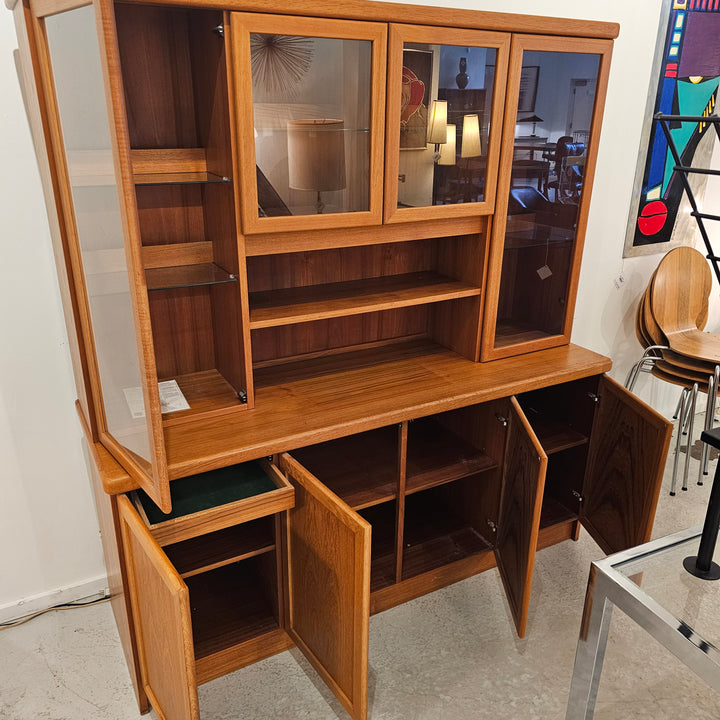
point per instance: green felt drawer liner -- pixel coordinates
(196, 493)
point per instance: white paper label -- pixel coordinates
(544, 272)
(171, 399)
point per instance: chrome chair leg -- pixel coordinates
(713, 381)
(691, 424)
(678, 441)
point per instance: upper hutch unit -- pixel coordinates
(319, 267)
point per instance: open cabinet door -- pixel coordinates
(519, 518)
(95, 188)
(161, 611)
(626, 459)
(329, 586)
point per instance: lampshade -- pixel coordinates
(447, 151)
(316, 155)
(471, 137)
(437, 122)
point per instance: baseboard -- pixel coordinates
(42, 601)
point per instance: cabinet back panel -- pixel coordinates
(273, 272)
(170, 214)
(456, 325)
(157, 74)
(182, 330)
(314, 337)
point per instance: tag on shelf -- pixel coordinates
(171, 399)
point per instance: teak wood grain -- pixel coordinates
(285, 307)
(161, 609)
(308, 402)
(520, 505)
(424, 15)
(329, 580)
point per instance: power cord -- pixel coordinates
(62, 606)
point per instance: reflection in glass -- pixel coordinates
(555, 108)
(446, 99)
(312, 127)
(72, 40)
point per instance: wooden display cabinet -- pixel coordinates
(319, 322)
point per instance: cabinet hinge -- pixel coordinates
(577, 496)
(219, 30)
(492, 525)
(242, 396)
(594, 397)
(503, 420)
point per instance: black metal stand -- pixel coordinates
(683, 170)
(702, 565)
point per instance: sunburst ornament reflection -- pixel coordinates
(279, 62)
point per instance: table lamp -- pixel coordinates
(437, 126)
(471, 145)
(316, 156)
(534, 119)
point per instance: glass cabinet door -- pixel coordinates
(446, 89)
(551, 132)
(310, 103)
(122, 365)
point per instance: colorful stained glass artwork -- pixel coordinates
(689, 77)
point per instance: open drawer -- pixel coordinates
(214, 500)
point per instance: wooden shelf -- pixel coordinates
(223, 547)
(316, 302)
(361, 469)
(228, 608)
(207, 393)
(435, 536)
(513, 334)
(554, 436)
(554, 513)
(179, 178)
(167, 278)
(437, 456)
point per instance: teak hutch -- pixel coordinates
(319, 268)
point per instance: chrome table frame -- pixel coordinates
(608, 587)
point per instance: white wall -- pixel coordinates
(48, 537)
(49, 541)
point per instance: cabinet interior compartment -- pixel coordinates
(311, 302)
(360, 469)
(383, 551)
(234, 604)
(222, 547)
(562, 418)
(445, 524)
(530, 305)
(176, 96)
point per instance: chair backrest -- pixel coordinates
(680, 291)
(526, 199)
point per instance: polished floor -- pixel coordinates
(450, 655)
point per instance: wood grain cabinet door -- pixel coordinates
(329, 586)
(161, 609)
(626, 459)
(519, 518)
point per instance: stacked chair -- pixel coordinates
(669, 323)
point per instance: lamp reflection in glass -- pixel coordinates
(437, 126)
(447, 151)
(534, 119)
(471, 146)
(316, 156)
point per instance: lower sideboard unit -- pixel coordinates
(301, 550)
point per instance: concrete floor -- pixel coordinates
(450, 655)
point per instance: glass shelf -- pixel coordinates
(179, 178)
(167, 278)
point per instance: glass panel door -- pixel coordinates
(94, 221)
(551, 139)
(313, 132)
(445, 97)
